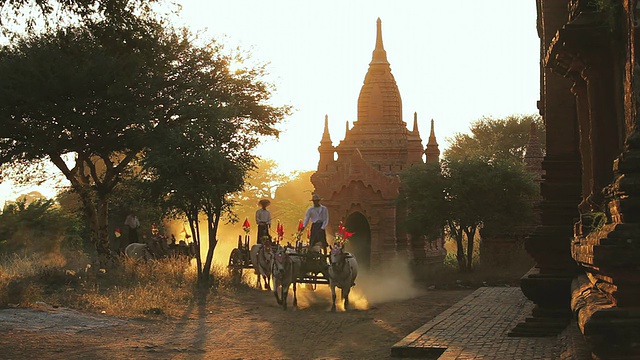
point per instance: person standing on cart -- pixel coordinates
(318, 216)
(263, 219)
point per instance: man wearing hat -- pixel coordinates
(263, 219)
(318, 215)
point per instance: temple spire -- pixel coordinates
(415, 122)
(432, 152)
(379, 54)
(432, 136)
(326, 137)
(347, 128)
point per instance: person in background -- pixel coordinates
(263, 219)
(318, 216)
(132, 223)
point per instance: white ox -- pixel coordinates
(138, 251)
(262, 259)
(286, 268)
(343, 271)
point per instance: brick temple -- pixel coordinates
(587, 247)
(361, 185)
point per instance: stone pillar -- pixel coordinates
(579, 89)
(548, 283)
(603, 133)
(606, 300)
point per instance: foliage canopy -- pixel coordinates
(109, 96)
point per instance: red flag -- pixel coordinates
(300, 226)
(348, 234)
(341, 229)
(280, 230)
(246, 226)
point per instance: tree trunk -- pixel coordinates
(471, 233)
(195, 233)
(212, 222)
(457, 235)
(97, 214)
(101, 240)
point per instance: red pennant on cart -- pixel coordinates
(280, 230)
(246, 226)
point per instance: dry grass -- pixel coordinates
(154, 289)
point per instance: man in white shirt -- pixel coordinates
(318, 216)
(263, 219)
(132, 224)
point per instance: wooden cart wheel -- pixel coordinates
(235, 266)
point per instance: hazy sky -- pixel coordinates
(453, 61)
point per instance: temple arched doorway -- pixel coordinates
(360, 243)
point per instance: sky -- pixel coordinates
(453, 61)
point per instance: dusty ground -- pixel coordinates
(243, 324)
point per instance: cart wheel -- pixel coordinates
(235, 266)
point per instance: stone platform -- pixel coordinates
(477, 327)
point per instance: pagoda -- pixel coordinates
(361, 184)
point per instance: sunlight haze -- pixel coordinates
(453, 62)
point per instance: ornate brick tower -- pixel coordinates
(361, 186)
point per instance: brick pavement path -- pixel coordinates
(477, 326)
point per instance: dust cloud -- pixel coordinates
(391, 281)
(386, 282)
(227, 239)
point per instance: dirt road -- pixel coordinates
(243, 324)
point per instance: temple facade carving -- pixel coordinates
(586, 247)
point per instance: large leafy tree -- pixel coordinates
(423, 193)
(33, 224)
(496, 139)
(191, 177)
(106, 94)
(200, 163)
(19, 16)
(464, 195)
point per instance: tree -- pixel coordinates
(15, 14)
(465, 195)
(194, 178)
(107, 95)
(496, 139)
(423, 191)
(261, 183)
(35, 224)
(292, 200)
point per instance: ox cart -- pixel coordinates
(240, 259)
(308, 265)
(292, 265)
(314, 263)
